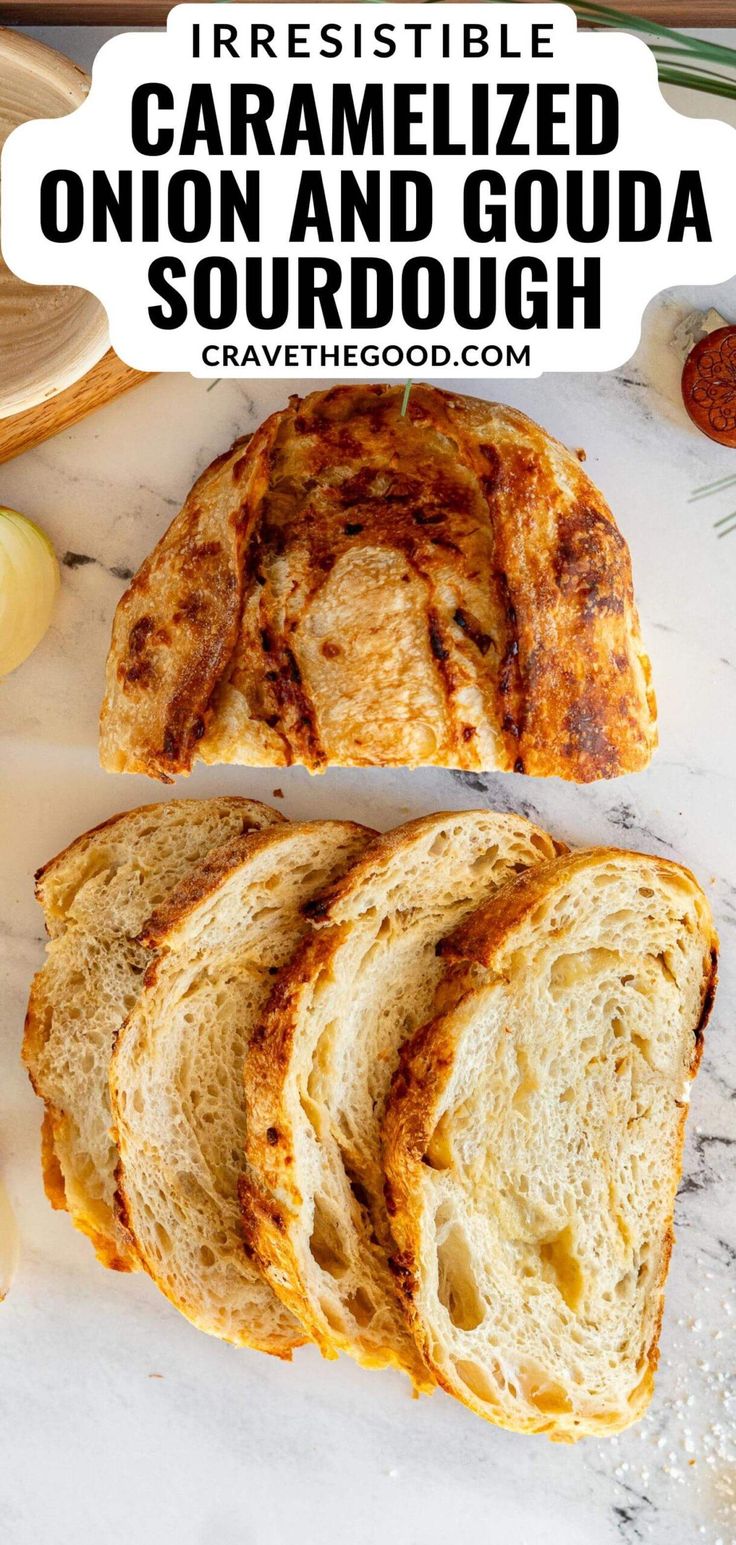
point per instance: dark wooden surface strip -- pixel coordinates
(674, 13)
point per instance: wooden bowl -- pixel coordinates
(50, 335)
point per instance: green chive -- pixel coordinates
(711, 488)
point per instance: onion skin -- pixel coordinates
(29, 584)
(9, 1243)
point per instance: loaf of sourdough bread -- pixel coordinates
(360, 585)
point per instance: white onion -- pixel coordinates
(9, 1242)
(29, 581)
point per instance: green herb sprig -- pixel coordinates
(725, 523)
(681, 60)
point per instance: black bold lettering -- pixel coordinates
(145, 141)
(51, 217)
(159, 273)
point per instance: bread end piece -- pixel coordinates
(95, 896)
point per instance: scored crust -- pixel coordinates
(362, 587)
(427, 1150)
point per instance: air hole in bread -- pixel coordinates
(335, 1321)
(579, 967)
(457, 1286)
(439, 846)
(527, 1085)
(358, 1189)
(438, 1153)
(320, 1066)
(476, 1380)
(162, 1236)
(626, 1285)
(550, 1399)
(559, 1255)
(322, 984)
(486, 860)
(96, 865)
(325, 1243)
(189, 1186)
(194, 987)
(311, 1112)
(361, 1307)
(664, 961)
(206, 1256)
(644, 1046)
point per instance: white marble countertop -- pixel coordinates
(120, 1422)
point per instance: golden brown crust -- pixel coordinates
(53, 1179)
(52, 1141)
(425, 1066)
(326, 907)
(270, 1149)
(276, 1347)
(46, 871)
(55, 1137)
(268, 1245)
(445, 587)
(177, 624)
(477, 940)
(264, 1225)
(214, 870)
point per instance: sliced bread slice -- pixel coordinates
(533, 1141)
(177, 1073)
(320, 1066)
(96, 896)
